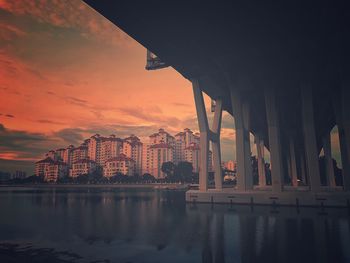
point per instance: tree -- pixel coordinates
(82, 179)
(148, 178)
(33, 179)
(183, 172)
(168, 168)
(65, 179)
(95, 176)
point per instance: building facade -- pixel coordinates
(192, 155)
(135, 152)
(159, 154)
(54, 171)
(82, 167)
(120, 164)
(40, 166)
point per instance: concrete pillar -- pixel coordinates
(204, 136)
(216, 144)
(310, 143)
(244, 175)
(342, 108)
(274, 140)
(247, 149)
(302, 168)
(261, 162)
(346, 133)
(293, 163)
(289, 168)
(329, 161)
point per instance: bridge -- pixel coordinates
(281, 69)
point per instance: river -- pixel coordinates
(149, 225)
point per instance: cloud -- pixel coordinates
(22, 145)
(50, 122)
(72, 14)
(150, 114)
(10, 32)
(179, 104)
(70, 135)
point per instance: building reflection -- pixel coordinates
(160, 221)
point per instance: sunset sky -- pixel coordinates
(67, 73)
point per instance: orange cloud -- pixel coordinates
(69, 14)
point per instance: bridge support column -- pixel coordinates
(302, 168)
(329, 161)
(207, 135)
(293, 163)
(342, 112)
(243, 158)
(215, 138)
(204, 138)
(261, 163)
(274, 140)
(311, 152)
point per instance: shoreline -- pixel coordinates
(172, 186)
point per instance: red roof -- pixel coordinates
(51, 161)
(46, 160)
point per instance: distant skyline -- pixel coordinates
(66, 73)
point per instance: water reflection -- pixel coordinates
(144, 225)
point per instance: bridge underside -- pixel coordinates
(282, 71)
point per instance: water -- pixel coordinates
(146, 225)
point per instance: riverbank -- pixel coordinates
(170, 186)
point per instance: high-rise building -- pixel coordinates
(79, 153)
(162, 137)
(51, 154)
(55, 170)
(146, 158)
(135, 152)
(40, 166)
(94, 148)
(59, 154)
(160, 149)
(182, 141)
(119, 164)
(192, 155)
(82, 167)
(110, 147)
(158, 154)
(68, 156)
(101, 148)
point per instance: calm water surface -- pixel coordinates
(146, 225)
